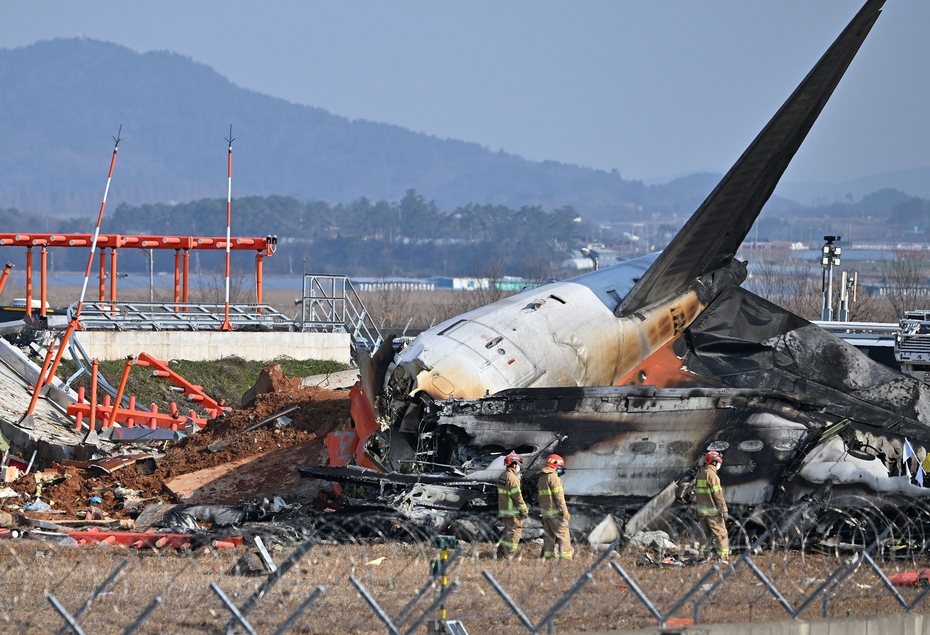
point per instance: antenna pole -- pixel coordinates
(226, 326)
(74, 324)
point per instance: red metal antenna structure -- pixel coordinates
(226, 326)
(90, 261)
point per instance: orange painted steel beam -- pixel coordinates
(29, 281)
(5, 275)
(92, 407)
(122, 387)
(187, 260)
(113, 274)
(103, 274)
(79, 419)
(143, 539)
(136, 242)
(72, 325)
(152, 419)
(42, 282)
(38, 387)
(258, 280)
(192, 391)
(177, 276)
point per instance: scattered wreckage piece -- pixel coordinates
(144, 463)
(140, 435)
(278, 418)
(153, 540)
(911, 578)
(798, 413)
(343, 379)
(430, 501)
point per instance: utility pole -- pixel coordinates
(829, 258)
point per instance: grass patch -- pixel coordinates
(224, 379)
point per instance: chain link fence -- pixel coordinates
(375, 573)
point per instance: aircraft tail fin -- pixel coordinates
(711, 237)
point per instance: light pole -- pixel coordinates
(829, 258)
(591, 255)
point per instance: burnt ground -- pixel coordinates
(319, 412)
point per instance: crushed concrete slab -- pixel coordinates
(332, 381)
(606, 532)
(657, 540)
(49, 431)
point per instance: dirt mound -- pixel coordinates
(318, 412)
(270, 380)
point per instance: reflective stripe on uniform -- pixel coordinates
(506, 496)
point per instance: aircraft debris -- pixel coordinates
(633, 371)
(96, 469)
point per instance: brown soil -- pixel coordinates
(319, 412)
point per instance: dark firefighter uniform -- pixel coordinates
(555, 516)
(711, 508)
(512, 510)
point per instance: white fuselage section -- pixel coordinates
(559, 334)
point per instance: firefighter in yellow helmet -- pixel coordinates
(510, 506)
(555, 516)
(712, 507)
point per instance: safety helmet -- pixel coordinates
(512, 459)
(713, 457)
(555, 460)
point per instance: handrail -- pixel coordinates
(330, 304)
(124, 316)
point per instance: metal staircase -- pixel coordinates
(330, 304)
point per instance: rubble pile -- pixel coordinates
(280, 416)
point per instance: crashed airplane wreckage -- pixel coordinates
(634, 371)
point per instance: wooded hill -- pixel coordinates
(62, 101)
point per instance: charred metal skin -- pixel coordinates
(770, 390)
(584, 343)
(591, 330)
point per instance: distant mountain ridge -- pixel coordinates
(61, 101)
(915, 181)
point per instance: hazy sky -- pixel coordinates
(654, 88)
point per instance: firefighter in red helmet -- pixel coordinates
(712, 507)
(510, 506)
(555, 516)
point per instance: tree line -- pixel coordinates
(411, 237)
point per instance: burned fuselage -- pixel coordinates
(632, 372)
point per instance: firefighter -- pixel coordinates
(555, 516)
(510, 506)
(712, 507)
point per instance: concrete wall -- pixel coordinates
(897, 623)
(210, 345)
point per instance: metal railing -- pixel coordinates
(330, 304)
(178, 316)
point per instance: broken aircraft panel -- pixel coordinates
(633, 371)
